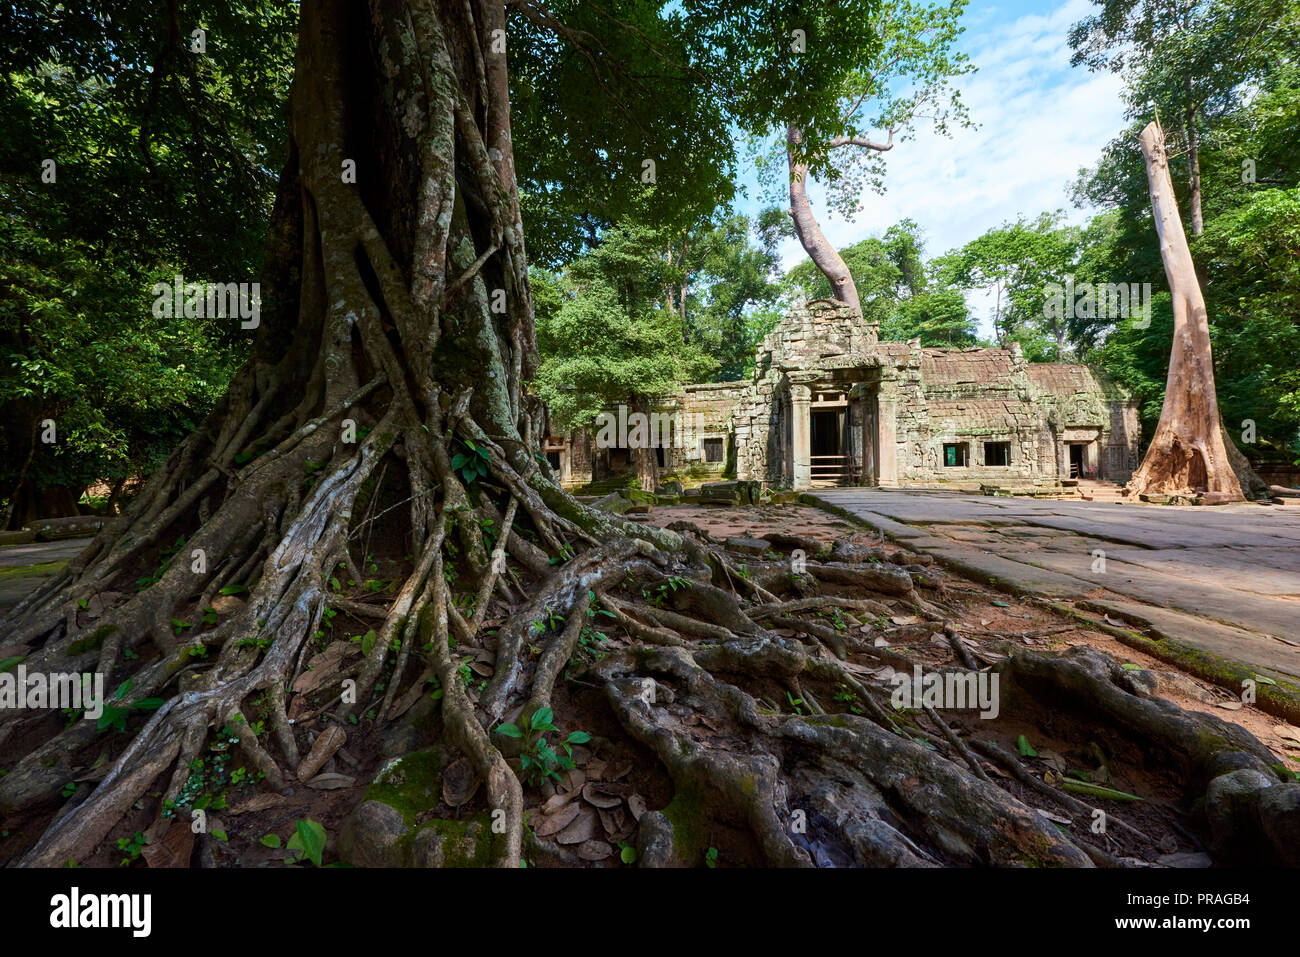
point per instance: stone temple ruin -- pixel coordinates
(830, 404)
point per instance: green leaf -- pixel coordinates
(540, 717)
(233, 589)
(368, 642)
(628, 854)
(8, 663)
(220, 835)
(123, 689)
(1132, 667)
(1096, 790)
(510, 730)
(1026, 749)
(578, 737)
(1265, 681)
(271, 840)
(309, 840)
(150, 704)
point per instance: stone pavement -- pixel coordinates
(23, 567)
(1216, 589)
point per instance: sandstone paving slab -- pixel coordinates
(36, 553)
(1016, 576)
(1202, 597)
(23, 567)
(1223, 641)
(1272, 571)
(1224, 581)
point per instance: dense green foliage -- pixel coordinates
(1224, 77)
(608, 332)
(161, 161)
(165, 158)
(908, 296)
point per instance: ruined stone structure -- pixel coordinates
(695, 423)
(830, 404)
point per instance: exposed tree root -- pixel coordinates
(328, 497)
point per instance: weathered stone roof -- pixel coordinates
(953, 367)
(981, 415)
(1061, 378)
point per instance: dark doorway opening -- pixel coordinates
(826, 432)
(1076, 460)
(830, 463)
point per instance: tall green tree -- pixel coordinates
(1188, 60)
(137, 142)
(897, 288)
(1015, 263)
(903, 75)
(608, 336)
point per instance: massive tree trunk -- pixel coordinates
(810, 234)
(643, 453)
(383, 420)
(1187, 455)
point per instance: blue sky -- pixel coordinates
(1038, 121)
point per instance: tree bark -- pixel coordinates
(1187, 454)
(810, 234)
(643, 456)
(1194, 166)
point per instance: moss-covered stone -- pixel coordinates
(92, 641)
(410, 784)
(688, 816)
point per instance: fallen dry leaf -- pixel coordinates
(581, 828)
(601, 796)
(459, 782)
(556, 822)
(594, 850)
(636, 804)
(173, 850)
(331, 781)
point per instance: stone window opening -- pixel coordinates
(712, 450)
(997, 453)
(956, 454)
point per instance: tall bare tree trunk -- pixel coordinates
(810, 234)
(1194, 167)
(1187, 453)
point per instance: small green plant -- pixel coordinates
(115, 714)
(796, 704)
(538, 759)
(308, 842)
(131, 847)
(471, 465)
(551, 620)
(711, 857)
(847, 696)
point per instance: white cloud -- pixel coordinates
(1039, 120)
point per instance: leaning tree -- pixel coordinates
(1191, 452)
(386, 409)
(905, 78)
